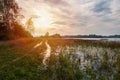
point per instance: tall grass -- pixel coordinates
(70, 59)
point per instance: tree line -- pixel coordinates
(91, 36)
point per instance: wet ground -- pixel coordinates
(59, 59)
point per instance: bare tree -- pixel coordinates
(30, 24)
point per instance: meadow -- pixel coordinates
(59, 59)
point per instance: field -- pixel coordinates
(59, 59)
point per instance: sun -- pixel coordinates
(44, 19)
(40, 21)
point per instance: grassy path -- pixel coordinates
(19, 58)
(46, 56)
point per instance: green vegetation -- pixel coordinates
(70, 59)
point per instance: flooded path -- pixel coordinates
(37, 45)
(47, 53)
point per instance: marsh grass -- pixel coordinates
(70, 59)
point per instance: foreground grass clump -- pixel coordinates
(70, 59)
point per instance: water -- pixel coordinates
(47, 55)
(37, 45)
(107, 39)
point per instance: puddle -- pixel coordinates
(37, 45)
(47, 53)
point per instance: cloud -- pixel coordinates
(102, 6)
(60, 23)
(78, 16)
(57, 2)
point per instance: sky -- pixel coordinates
(72, 17)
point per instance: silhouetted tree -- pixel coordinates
(3, 28)
(9, 19)
(1, 10)
(47, 34)
(11, 12)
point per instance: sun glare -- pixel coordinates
(44, 20)
(41, 20)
